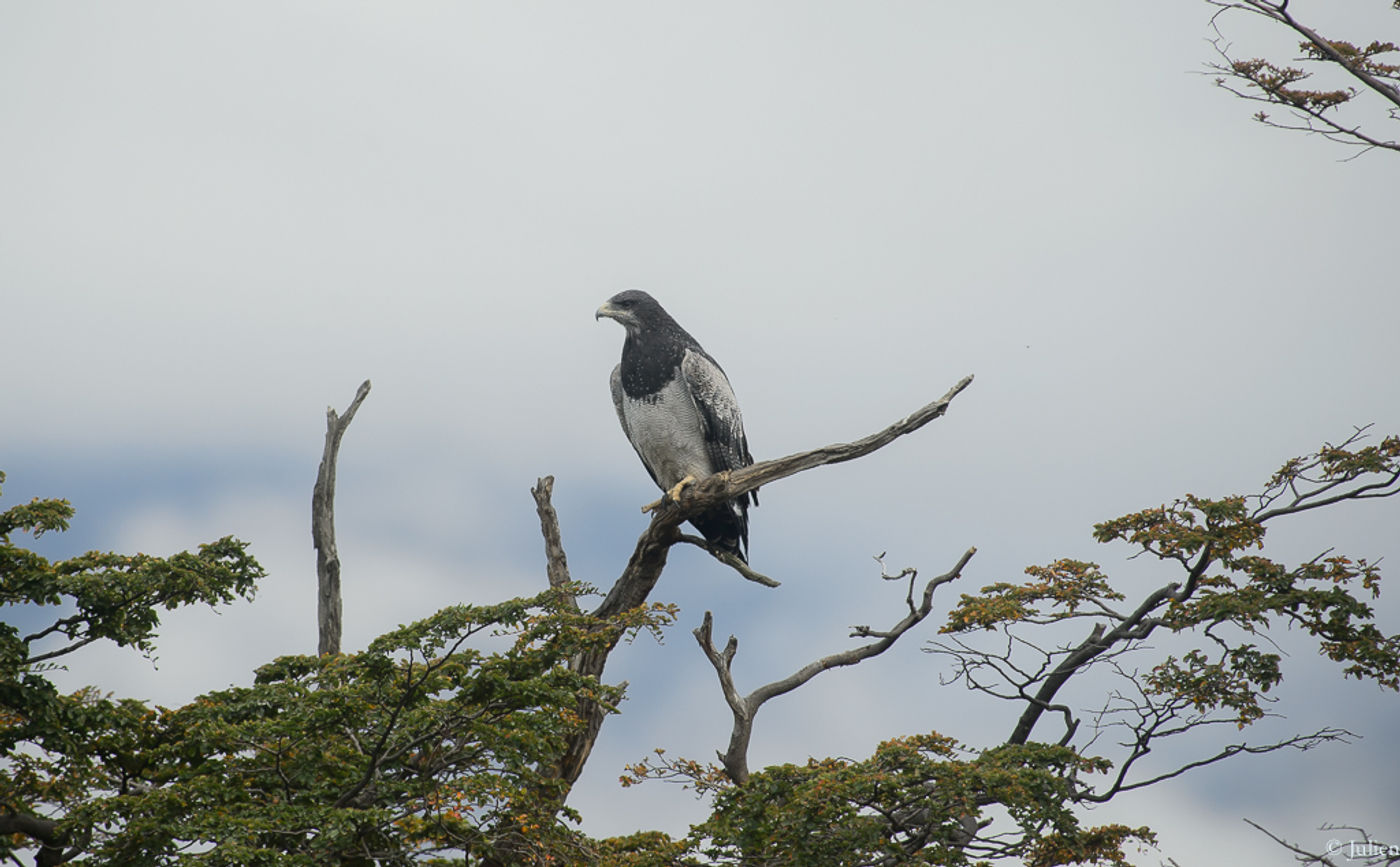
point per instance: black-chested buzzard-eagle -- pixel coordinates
(679, 412)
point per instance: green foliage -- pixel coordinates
(1333, 464)
(1065, 584)
(1237, 682)
(917, 800)
(1227, 584)
(115, 597)
(424, 746)
(60, 749)
(701, 777)
(1317, 595)
(1277, 82)
(644, 849)
(1187, 527)
(421, 745)
(1099, 845)
(439, 743)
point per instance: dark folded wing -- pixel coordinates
(721, 422)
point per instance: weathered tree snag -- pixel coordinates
(557, 566)
(648, 559)
(556, 563)
(323, 528)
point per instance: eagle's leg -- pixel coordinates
(674, 495)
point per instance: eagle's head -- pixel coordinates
(634, 309)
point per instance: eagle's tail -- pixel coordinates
(727, 527)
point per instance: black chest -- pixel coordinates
(648, 364)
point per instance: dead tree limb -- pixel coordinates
(323, 528)
(1302, 856)
(556, 563)
(728, 559)
(745, 708)
(766, 472)
(648, 558)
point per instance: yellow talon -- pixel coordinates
(674, 495)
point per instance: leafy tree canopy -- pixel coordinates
(441, 741)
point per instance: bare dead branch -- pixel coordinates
(556, 563)
(728, 559)
(1303, 856)
(735, 758)
(753, 477)
(745, 708)
(1297, 742)
(328, 608)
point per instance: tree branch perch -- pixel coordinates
(648, 558)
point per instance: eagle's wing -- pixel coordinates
(615, 383)
(721, 422)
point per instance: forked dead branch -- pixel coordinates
(745, 708)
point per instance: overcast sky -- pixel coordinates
(217, 219)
